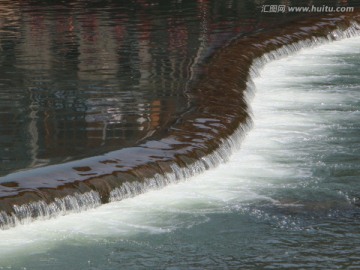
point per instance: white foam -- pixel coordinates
(24, 214)
(284, 113)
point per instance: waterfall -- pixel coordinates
(205, 136)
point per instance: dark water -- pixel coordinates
(81, 78)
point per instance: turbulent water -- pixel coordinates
(288, 198)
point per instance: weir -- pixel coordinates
(203, 137)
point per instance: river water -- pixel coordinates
(82, 78)
(288, 198)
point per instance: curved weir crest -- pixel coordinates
(202, 139)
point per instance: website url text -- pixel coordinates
(284, 8)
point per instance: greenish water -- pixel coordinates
(287, 199)
(108, 75)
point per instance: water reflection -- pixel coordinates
(79, 78)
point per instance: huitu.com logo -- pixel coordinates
(309, 9)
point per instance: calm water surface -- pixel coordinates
(81, 78)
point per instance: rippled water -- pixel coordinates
(80, 78)
(288, 198)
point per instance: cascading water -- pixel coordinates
(163, 83)
(187, 162)
(286, 199)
